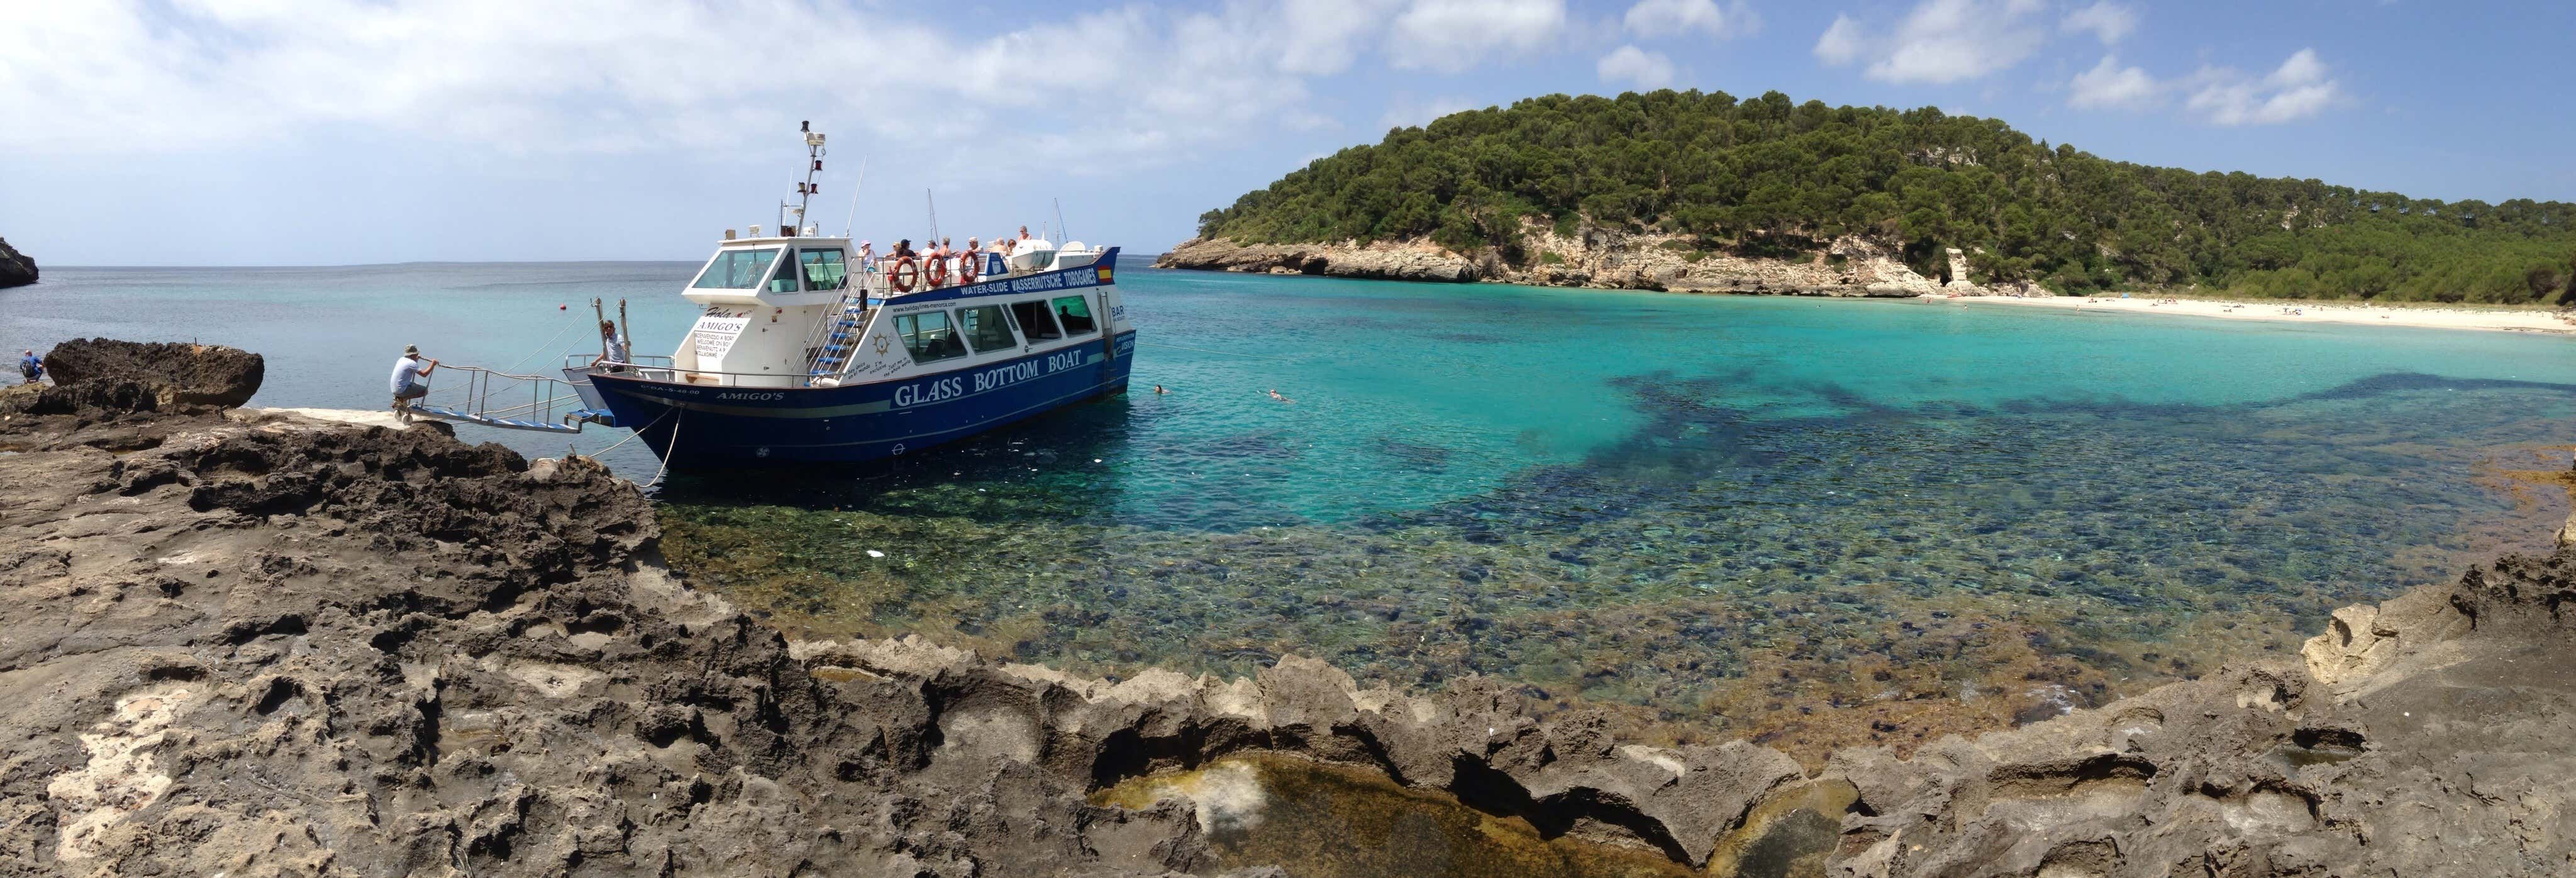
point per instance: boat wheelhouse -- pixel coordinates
(806, 349)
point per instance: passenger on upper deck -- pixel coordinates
(1024, 233)
(902, 249)
(867, 254)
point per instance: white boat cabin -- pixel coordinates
(805, 311)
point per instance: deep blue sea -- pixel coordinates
(1740, 513)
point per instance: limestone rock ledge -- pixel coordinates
(16, 269)
(1593, 258)
(260, 644)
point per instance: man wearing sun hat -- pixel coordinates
(411, 379)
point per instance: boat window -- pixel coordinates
(736, 270)
(929, 337)
(986, 328)
(824, 269)
(785, 280)
(1034, 321)
(1075, 315)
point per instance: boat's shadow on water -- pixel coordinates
(1046, 468)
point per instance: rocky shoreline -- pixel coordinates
(16, 269)
(1598, 259)
(263, 644)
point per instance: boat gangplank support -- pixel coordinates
(494, 399)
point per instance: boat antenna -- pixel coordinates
(1059, 221)
(934, 215)
(846, 224)
(814, 165)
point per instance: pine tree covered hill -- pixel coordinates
(1768, 177)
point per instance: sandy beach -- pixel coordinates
(2431, 316)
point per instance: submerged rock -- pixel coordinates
(16, 269)
(265, 644)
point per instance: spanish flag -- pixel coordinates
(1104, 274)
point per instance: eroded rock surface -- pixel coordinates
(175, 373)
(269, 645)
(1597, 258)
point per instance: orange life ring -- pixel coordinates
(936, 271)
(903, 275)
(969, 267)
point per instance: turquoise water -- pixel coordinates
(1740, 513)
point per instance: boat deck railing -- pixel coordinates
(494, 398)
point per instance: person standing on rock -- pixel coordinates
(32, 368)
(411, 379)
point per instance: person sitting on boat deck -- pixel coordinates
(32, 368)
(1024, 233)
(613, 345)
(411, 377)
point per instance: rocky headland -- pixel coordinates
(261, 644)
(1597, 258)
(16, 269)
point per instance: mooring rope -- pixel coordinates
(666, 455)
(675, 431)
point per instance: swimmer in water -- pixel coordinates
(1274, 394)
(1159, 389)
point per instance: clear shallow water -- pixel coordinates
(1778, 517)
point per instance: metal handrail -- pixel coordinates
(481, 385)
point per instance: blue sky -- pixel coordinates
(195, 132)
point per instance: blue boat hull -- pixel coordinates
(695, 427)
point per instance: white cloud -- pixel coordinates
(1092, 92)
(1940, 41)
(1842, 42)
(2108, 21)
(1406, 110)
(2301, 87)
(1644, 69)
(2111, 86)
(1665, 18)
(1324, 37)
(1452, 36)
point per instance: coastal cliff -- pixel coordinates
(261, 644)
(16, 269)
(1599, 259)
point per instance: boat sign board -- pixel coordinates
(715, 334)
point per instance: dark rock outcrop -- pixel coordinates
(267, 645)
(16, 269)
(173, 373)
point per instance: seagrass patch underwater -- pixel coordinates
(1811, 523)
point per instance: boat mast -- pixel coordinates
(1060, 237)
(805, 191)
(934, 216)
(853, 218)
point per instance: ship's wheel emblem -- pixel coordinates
(883, 343)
